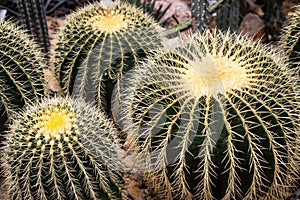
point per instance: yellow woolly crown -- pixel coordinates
(109, 22)
(215, 75)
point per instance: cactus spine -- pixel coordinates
(98, 44)
(290, 41)
(21, 75)
(62, 149)
(215, 118)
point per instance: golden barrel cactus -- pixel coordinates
(99, 43)
(62, 149)
(216, 117)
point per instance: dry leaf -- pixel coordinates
(288, 7)
(253, 26)
(252, 7)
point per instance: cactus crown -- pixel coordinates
(109, 22)
(62, 149)
(206, 74)
(215, 117)
(54, 121)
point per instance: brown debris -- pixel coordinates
(253, 27)
(252, 7)
(288, 7)
(53, 24)
(52, 84)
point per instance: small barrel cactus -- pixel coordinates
(62, 149)
(290, 40)
(98, 44)
(21, 75)
(215, 118)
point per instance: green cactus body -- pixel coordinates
(290, 41)
(62, 149)
(33, 17)
(21, 75)
(98, 44)
(215, 118)
(200, 13)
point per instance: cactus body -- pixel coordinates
(228, 16)
(215, 118)
(200, 13)
(33, 17)
(98, 44)
(290, 41)
(61, 149)
(21, 75)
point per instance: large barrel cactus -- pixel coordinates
(98, 44)
(290, 41)
(21, 75)
(62, 149)
(215, 118)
